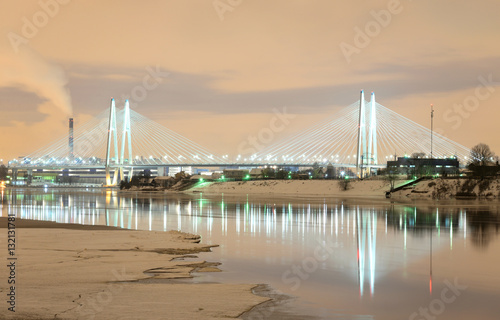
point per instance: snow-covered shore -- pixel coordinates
(310, 188)
(116, 274)
(452, 188)
(368, 188)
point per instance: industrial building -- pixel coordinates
(424, 166)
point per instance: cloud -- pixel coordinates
(20, 138)
(30, 72)
(264, 55)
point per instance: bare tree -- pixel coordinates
(481, 155)
(391, 177)
(344, 184)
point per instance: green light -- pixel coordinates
(201, 180)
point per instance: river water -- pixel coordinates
(338, 258)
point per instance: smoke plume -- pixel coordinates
(28, 71)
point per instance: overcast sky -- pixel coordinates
(214, 71)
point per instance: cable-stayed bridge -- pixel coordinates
(363, 135)
(122, 137)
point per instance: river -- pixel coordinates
(338, 258)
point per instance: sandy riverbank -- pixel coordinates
(309, 188)
(369, 188)
(90, 273)
(443, 188)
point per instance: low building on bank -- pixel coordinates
(236, 174)
(424, 166)
(256, 173)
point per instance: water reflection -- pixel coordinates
(367, 247)
(377, 248)
(256, 218)
(484, 227)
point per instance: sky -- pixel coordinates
(217, 71)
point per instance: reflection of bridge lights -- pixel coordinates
(275, 220)
(366, 239)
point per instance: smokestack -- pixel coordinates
(71, 153)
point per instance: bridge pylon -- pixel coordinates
(366, 152)
(117, 162)
(372, 136)
(112, 138)
(126, 140)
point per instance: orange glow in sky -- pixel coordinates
(214, 74)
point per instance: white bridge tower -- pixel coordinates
(117, 162)
(366, 154)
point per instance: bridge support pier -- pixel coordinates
(116, 173)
